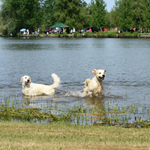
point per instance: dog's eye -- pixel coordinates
(25, 77)
(99, 72)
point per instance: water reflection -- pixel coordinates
(96, 102)
(33, 98)
(40, 100)
(26, 47)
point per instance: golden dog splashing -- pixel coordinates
(94, 86)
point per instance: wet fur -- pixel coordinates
(33, 89)
(94, 86)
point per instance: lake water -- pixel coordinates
(127, 64)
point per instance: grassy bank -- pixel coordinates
(16, 135)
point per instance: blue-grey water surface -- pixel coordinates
(127, 64)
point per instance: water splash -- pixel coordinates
(74, 94)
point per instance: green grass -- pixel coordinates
(20, 136)
(129, 34)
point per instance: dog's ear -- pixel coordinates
(21, 79)
(30, 80)
(105, 70)
(93, 71)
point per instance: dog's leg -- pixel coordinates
(85, 91)
(87, 82)
(90, 94)
(98, 92)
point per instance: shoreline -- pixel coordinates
(80, 36)
(88, 36)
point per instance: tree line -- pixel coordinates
(131, 14)
(33, 14)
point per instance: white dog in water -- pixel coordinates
(94, 86)
(32, 89)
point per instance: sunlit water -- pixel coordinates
(126, 62)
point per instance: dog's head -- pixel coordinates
(100, 74)
(25, 80)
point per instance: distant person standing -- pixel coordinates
(74, 30)
(71, 31)
(90, 30)
(27, 31)
(64, 30)
(38, 30)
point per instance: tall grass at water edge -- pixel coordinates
(51, 111)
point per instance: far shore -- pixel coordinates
(86, 35)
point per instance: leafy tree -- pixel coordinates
(146, 14)
(131, 13)
(108, 18)
(86, 15)
(126, 14)
(138, 8)
(18, 14)
(70, 12)
(98, 16)
(115, 14)
(49, 9)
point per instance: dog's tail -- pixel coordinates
(57, 81)
(86, 82)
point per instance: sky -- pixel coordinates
(110, 4)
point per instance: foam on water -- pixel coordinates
(73, 93)
(79, 93)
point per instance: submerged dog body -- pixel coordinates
(33, 89)
(94, 86)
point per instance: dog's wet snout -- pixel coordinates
(28, 80)
(103, 76)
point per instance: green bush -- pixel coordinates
(89, 34)
(4, 32)
(98, 33)
(76, 33)
(112, 33)
(1, 29)
(136, 33)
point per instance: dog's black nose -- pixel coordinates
(28, 80)
(103, 76)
